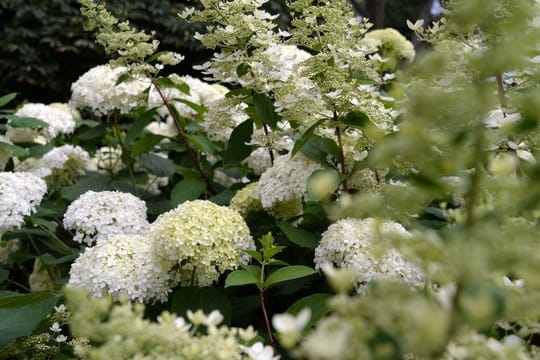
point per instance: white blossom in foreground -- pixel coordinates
(20, 195)
(121, 265)
(96, 215)
(66, 161)
(96, 89)
(59, 122)
(282, 187)
(352, 243)
(259, 351)
(202, 239)
(290, 327)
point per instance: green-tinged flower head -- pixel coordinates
(200, 240)
(244, 201)
(392, 46)
(120, 332)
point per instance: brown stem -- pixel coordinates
(266, 132)
(500, 90)
(267, 321)
(183, 139)
(343, 166)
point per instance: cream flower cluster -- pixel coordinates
(352, 243)
(108, 160)
(65, 161)
(121, 265)
(282, 187)
(121, 331)
(203, 239)
(222, 117)
(391, 40)
(20, 195)
(96, 215)
(244, 202)
(96, 89)
(59, 122)
(200, 93)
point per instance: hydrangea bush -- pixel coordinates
(319, 192)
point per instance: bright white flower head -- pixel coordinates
(202, 239)
(351, 243)
(68, 160)
(60, 122)
(121, 265)
(259, 351)
(96, 215)
(20, 195)
(97, 90)
(108, 160)
(282, 187)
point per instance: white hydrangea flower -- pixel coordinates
(200, 93)
(351, 243)
(164, 128)
(290, 327)
(282, 187)
(60, 122)
(20, 195)
(97, 90)
(122, 265)
(259, 351)
(65, 161)
(108, 160)
(202, 239)
(96, 215)
(222, 117)
(244, 202)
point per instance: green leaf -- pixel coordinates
(264, 109)
(269, 253)
(122, 78)
(145, 143)
(198, 108)
(206, 299)
(4, 100)
(93, 133)
(237, 150)
(267, 240)
(201, 143)
(138, 126)
(317, 303)
(242, 69)
(300, 237)
(91, 181)
(318, 148)
(305, 137)
(21, 314)
(241, 277)
(13, 149)
(355, 118)
(157, 165)
(187, 189)
(169, 83)
(26, 122)
(288, 273)
(254, 254)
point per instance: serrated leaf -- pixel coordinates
(305, 137)
(237, 150)
(206, 299)
(14, 150)
(157, 165)
(254, 254)
(264, 109)
(21, 314)
(269, 253)
(240, 277)
(267, 240)
(288, 273)
(26, 122)
(4, 100)
(187, 189)
(355, 118)
(300, 237)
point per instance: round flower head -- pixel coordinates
(59, 122)
(244, 202)
(96, 89)
(392, 41)
(64, 162)
(201, 240)
(351, 243)
(96, 215)
(121, 265)
(20, 194)
(283, 186)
